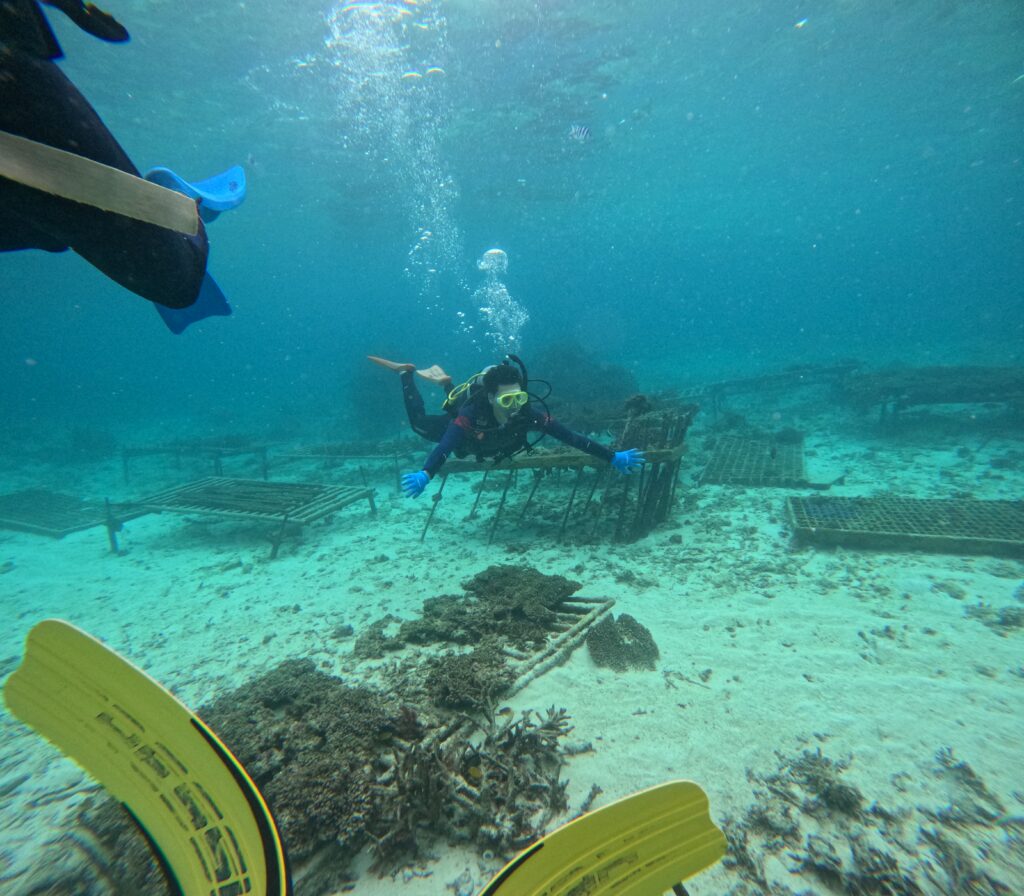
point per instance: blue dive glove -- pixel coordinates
(414, 483)
(628, 461)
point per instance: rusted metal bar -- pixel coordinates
(479, 495)
(501, 506)
(436, 498)
(568, 507)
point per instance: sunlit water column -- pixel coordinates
(393, 99)
(502, 318)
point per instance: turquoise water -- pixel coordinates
(752, 193)
(690, 191)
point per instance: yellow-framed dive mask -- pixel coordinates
(512, 400)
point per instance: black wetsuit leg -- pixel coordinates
(430, 426)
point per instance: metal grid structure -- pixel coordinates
(712, 395)
(43, 512)
(896, 390)
(950, 526)
(756, 462)
(213, 449)
(292, 504)
(641, 501)
(332, 454)
(340, 451)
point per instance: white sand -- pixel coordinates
(868, 656)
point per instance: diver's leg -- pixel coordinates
(391, 365)
(435, 374)
(430, 426)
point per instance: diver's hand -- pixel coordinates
(414, 483)
(628, 461)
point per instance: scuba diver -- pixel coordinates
(489, 416)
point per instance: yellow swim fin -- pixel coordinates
(188, 793)
(642, 845)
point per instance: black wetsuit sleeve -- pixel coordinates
(450, 440)
(576, 439)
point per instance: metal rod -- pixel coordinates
(479, 495)
(601, 478)
(113, 527)
(537, 476)
(642, 497)
(436, 498)
(568, 507)
(622, 508)
(501, 506)
(675, 486)
(590, 494)
(275, 541)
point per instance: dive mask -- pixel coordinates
(512, 400)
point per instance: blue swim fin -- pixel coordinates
(210, 303)
(216, 194)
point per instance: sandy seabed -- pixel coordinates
(768, 649)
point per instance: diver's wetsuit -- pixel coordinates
(430, 426)
(38, 102)
(474, 429)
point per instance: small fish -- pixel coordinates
(580, 133)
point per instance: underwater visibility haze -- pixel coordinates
(791, 225)
(757, 185)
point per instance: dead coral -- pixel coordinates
(313, 747)
(517, 604)
(972, 802)
(106, 846)
(622, 644)
(496, 785)
(1002, 621)
(517, 769)
(820, 777)
(375, 642)
(468, 680)
(806, 815)
(345, 767)
(959, 874)
(867, 869)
